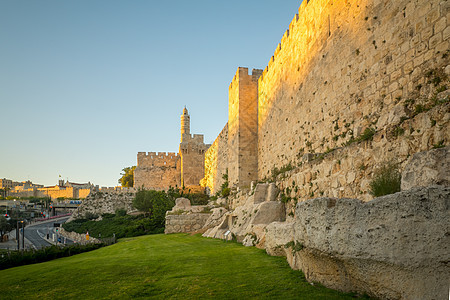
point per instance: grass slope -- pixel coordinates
(163, 267)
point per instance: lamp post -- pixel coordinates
(18, 235)
(23, 235)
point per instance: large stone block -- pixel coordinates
(182, 204)
(383, 247)
(269, 212)
(427, 168)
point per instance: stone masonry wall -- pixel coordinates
(157, 171)
(185, 222)
(243, 128)
(53, 192)
(344, 66)
(192, 152)
(216, 162)
(347, 171)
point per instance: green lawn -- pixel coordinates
(163, 267)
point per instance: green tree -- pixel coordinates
(127, 179)
(5, 226)
(154, 204)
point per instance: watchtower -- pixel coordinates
(192, 153)
(243, 128)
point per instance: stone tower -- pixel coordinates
(243, 128)
(192, 153)
(185, 123)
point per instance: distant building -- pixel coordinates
(67, 189)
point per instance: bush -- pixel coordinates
(226, 192)
(154, 204)
(198, 198)
(121, 212)
(115, 225)
(367, 134)
(90, 216)
(386, 181)
(15, 258)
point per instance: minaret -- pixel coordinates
(185, 123)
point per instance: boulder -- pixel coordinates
(269, 212)
(260, 193)
(278, 234)
(427, 168)
(215, 218)
(395, 246)
(182, 204)
(272, 192)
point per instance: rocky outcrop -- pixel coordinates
(394, 247)
(249, 219)
(105, 202)
(77, 237)
(427, 168)
(186, 218)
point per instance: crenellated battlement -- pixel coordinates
(157, 159)
(242, 75)
(195, 138)
(286, 38)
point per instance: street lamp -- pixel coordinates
(18, 235)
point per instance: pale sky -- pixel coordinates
(86, 84)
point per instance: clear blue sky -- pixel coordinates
(86, 84)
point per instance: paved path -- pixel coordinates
(36, 235)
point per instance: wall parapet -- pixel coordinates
(158, 159)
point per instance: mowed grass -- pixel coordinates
(163, 267)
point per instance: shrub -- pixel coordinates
(90, 216)
(367, 134)
(121, 212)
(114, 225)
(386, 180)
(198, 198)
(15, 258)
(154, 204)
(226, 192)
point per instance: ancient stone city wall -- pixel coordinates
(243, 128)
(54, 192)
(347, 171)
(216, 162)
(344, 66)
(157, 171)
(342, 72)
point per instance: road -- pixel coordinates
(37, 233)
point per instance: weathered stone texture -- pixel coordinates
(345, 66)
(393, 247)
(186, 218)
(192, 152)
(347, 171)
(340, 69)
(427, 168)
(243, 128)
(157, 171)
(102, 202)
(216, 162)
(185, 222)
(405, 235)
